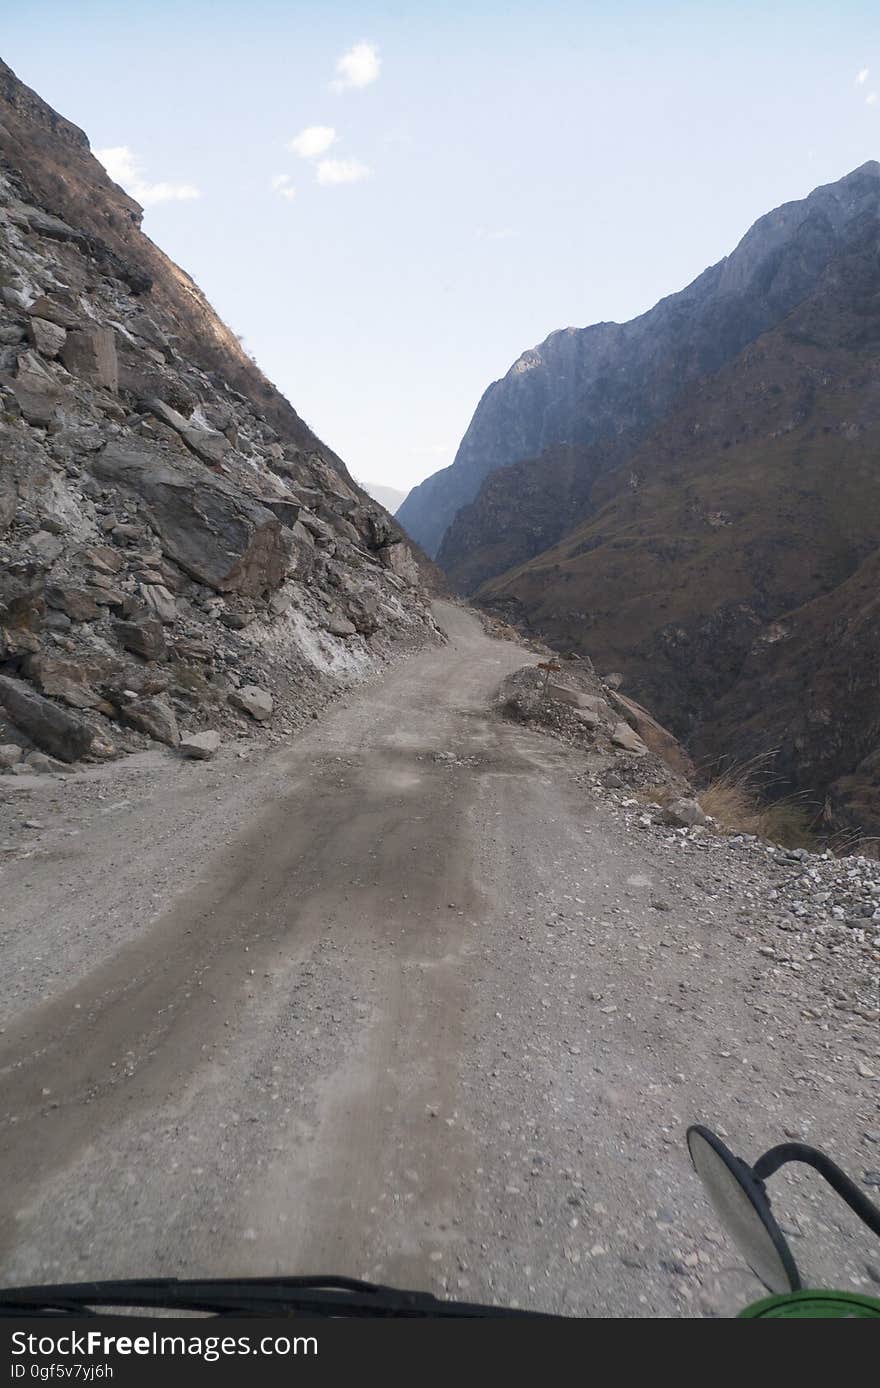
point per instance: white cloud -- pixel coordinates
(862, 76)
(282, 185)
(358, 67)
(342, 171)
(123, 167)
(871, 99)
(314, 141)
(495, 233)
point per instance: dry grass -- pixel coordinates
(737, 800)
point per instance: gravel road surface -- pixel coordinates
(403, 999)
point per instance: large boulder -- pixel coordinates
(36, 390)
(90, 354)
(47, 337)
(154, 717)
(624, 737)
(657, 738)
(200, 746)
(563, 694)
(47, 725)
(684, 813)
(75, 603)
(253, 700)
(144, 638)
(52, 311)
(399, 559)
(67, 680)
(207, 443)
(216, 533)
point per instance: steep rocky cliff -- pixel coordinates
(606, 382)
(178, 551)
(728, 564)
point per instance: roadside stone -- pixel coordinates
(684, 813)
(154, 717)
(253, 700)
(623, 736)
(50, 727)
(10, 753)
(199, 746)
(562, 694)
(66, 680)
(40, 764)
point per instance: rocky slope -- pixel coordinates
(585, 386)
(728, 564)
(178, 551)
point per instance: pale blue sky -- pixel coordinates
(530, 167)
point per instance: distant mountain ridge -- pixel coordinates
(727, 565)
(389, 497)
(584, 386)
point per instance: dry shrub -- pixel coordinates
(737, 800)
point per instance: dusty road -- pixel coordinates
(397, 1001)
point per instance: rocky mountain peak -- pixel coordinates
(589, 385)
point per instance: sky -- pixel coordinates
(390, 202)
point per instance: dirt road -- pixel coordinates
(401, 1000)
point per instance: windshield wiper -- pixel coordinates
(251, 1296)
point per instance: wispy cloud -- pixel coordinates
(495, 233)
(124, 168)
(282, 185)
(359, 67)
(342, 171)
(862, 76)
(314, 141)
(871, 99)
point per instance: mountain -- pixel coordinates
(389, 497)
(178, 551)
(728, 561)
(600, 384)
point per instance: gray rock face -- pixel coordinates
(50, 727)
(152, 480)
(586, 385)
(215, 532)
